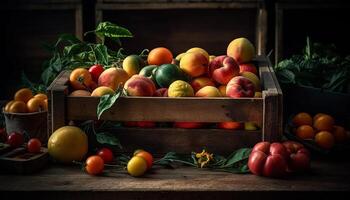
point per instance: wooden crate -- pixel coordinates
(185, 24)
(265, 111)
(321, 20)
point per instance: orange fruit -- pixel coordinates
(7, 106)
(324, 123)
(317, 116)
(41, 96)
(305, 132)
(17, 107)
(339, 134)
(324, 139)
(159, 56)
(80, 78)
(23, 94)
(35, 105)
(302, 118)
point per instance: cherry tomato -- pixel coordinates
(15, 139)
(106, 154)
(3, 135)
(94, 165)
(95, 71)
(137, 166)
(34, 145)
(147, 156)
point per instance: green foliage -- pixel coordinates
(319, 66)
(107, 101)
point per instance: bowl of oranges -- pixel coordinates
(27, 112)
(319, 132)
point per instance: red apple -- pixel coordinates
(223, 68)
(248, 67)
(240, 86)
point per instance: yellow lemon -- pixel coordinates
(180, 89)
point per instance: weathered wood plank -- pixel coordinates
(168, 109)
(163, 140)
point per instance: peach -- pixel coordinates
(211, 58)
(133, 64)
(241, 49)
(188, 125)
(102, 90)
(80, 93)
(253, 78)
(201, 82)
(208, 91)
(231, 125)
(178, 57)
(161, 92)
(248, 67)
(194, 64)
(240, 86)
(199, 50)
(222, 89)
(139, 85)
(113, 77)
(223, 68)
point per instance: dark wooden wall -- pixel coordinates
(27, 24)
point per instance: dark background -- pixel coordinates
(27, 24)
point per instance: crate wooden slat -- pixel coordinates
(265, 111)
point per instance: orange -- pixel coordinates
(317, 116)
(324, 123)
(23, 94)
(339, 134)
(302, 118)
(17, 107)
(41, 96)
(159, 56)
(305, 132)
(35, 105)
(80, 78)
(324, 139)
(7, 106)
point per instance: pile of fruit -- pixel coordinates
(25, 102)
(320, 129)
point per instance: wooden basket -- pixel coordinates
(265, 111)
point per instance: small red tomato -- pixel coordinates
(106, 154)
(95, 71)
(34, 145)
(15, 139)
(147, 156)
(3, 135)
(94, 165)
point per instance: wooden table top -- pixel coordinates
(184, 182)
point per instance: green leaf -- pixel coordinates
(105, 138)
(237, 156)
(112, 31)
(72, 39)
(48, 76)
(106, 101)
(101, 53)
(75, 49)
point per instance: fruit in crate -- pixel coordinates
(180, 88)
(201, 82)
(222, 89)
(194, 64)
(133, 64)
(231, 125)
(208, 91)
(241, 49)
(139, 85)
(80, 93)
(159, 56)
(248, 67)
(188, 125)
(240, 86)
(67, 144)
(222, 69)
(253, 78)
(80, 79)
(147, 71)
(96, 71)
(161, 92)
(102, 90)
(199, 50)
(167, 74)
(113, 77)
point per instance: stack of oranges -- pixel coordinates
(321, 128)
(25, 102)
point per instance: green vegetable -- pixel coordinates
(168, 73)
(319, 66)
(147, 72)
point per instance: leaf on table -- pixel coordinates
(106, 138)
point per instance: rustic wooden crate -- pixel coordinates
(319, 19)
(184, 24)
(265, 111)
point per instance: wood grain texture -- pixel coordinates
(69, 182)
(184, 141)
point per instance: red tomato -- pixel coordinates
(94, 165)
(15, 139)
(95, 71)
(147, 156)
(106, 154)
(34, 145)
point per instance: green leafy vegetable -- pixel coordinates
(319, 66)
